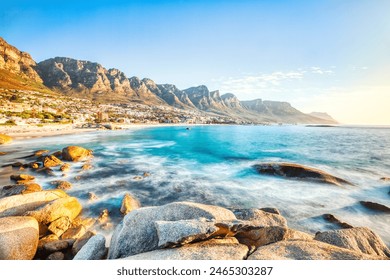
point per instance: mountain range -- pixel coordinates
(90, 80)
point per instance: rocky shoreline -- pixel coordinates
(49, 224)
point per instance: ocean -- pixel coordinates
(214, 165)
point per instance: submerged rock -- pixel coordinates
(5, 139)
(76, 153)
(375, 206)
(298, 171)
(129, 203)
(18, 238)
(137, 233)
(360, 239)
(307, 250)
(214, 249)
(94, 249)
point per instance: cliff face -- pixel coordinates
(17, 62)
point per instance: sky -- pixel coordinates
(320, 55)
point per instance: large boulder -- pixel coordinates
(75, 153)
(214, 249)
(51, 161)
(94, 249)
(307, 250)
(360, 239)
(298, 171)
(129, 203)
(173, 233)
(4, 139)
(62, 207)
(19, 204)
(18, 238)
(137, 232)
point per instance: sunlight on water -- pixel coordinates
(213, 164)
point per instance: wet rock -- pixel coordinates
(74, 232)
(18, 238)
(103, 217)
(56, 256)
(214, 249)
(19, 189)
(332, 219)
(57, 154)
(56, 245)
(62, 185)
(22, 177)
(40, 153)
(298, 171)
(260, 217)
(375, 206)
(51, 161)
(137, 178)
(137, 233)
(146, 174)
(5, 139)
(65, 167)
(3, 153)
(76, 153)
(81, 242)
(34, 165)
(17, 164)
(45, 170)
(129, 203)
(360, 239)
(86, 166)
(386, 179)
(62, 207)
(94, 249)
(183, 232)
(306, 250)
(19, 204)
(271, 210)
(59, 226)
(92, 196)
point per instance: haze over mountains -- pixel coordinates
(92, 81)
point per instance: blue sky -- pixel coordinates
(319, 55)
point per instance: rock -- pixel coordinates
(51, 161)
(81, 242)
(260, 217)
(46, 239)
(332, 219)
(74, 232)
(19, 204)
(306, 250)
(40, 153)
(146, 174)
(86, 222)
(76, 153)
(214, 249)
(386, 179)
(57, 154)
(56, 245)
(19, 189)
(45, 170)
(298, 171)
(103, 217)
(18, 238)
(59, 226)
(94, 249)
(34, 165)
(359, 239)
(62, 207)
(271, 210)
(65, 167)
(5, 139)
(183, 232)
(92, 196)
(137, 178)
(129, 203)
(136, 233)
(3, 153)
(56, 256)
(86, 166)
(24, 177)
(375, 206)
(62, 185)
(17, 164)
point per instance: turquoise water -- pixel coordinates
(213, 165)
